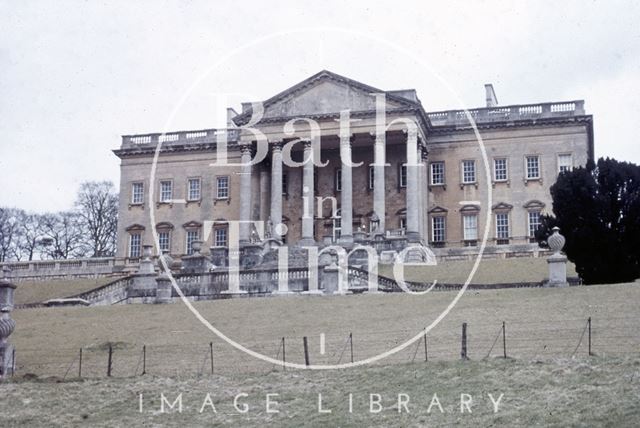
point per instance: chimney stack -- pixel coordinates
(492, 100)
(231, 113)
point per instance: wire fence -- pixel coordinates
(520, 340)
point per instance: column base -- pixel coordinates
(307, 242)
(282, 292)
(313, 293)
(413, 237)
(342, 292)
(346, 241)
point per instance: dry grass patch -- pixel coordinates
(39, 291)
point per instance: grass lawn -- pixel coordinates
(540, 323)
(541, 383)
(558, 393)
(39, 291)
(490, 271)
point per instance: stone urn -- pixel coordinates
(556, 241)
(147, 252)
(196, 247)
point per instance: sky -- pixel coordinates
(76, 75)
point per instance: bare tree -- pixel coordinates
(9, 233)
(62, 236)
(31, 234)
(97, 208)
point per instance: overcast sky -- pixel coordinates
(74, 76)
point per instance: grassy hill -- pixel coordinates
(556, 393)
(548, 379)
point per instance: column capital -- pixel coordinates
(307, 144)
(411, 133)
(276, 145)
(246, 148)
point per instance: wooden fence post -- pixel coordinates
(80, 365)
(504, 340)
(426, 358)
(211, 355)
(351, 343)
(463, 351)
(144, 360)
(306, 351)
(109, 361)
(284, 359)
(589, 322)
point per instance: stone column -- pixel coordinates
(346, 194)
(424, 194)
(379, 162)
(276, 188)
(245, 194)
(308, 196)
(264, 194)
(412, 190)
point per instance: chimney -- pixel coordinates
(231, 113)
(492, 100)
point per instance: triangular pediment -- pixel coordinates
(326, 93)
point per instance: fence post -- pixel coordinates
(144, 360)
(589, 322)
(80, 365)
(211, 355)
(351, 344)
(426, 358)
(284, 359)
(504, 340)
(306, 351)
(109, 361)
(463, 352)
(13, 362)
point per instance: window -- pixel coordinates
(137, 193)
(222, 187)
(403, 223)
(470, 226)
(534, 224)
(192, 235)
(338, 178)
(193, 189)
(221, 237)
(285, 183)
(468, 171)
(437, 173)
(164, 239)
(134, 245)
(402, 179)
(502, 228)
(565, 163)
(500, 169)
(533, 167)
(166, 191)
(371, 176)
(337, 225)
(438, 227)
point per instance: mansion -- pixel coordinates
(416, 178)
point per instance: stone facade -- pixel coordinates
(427, 204)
